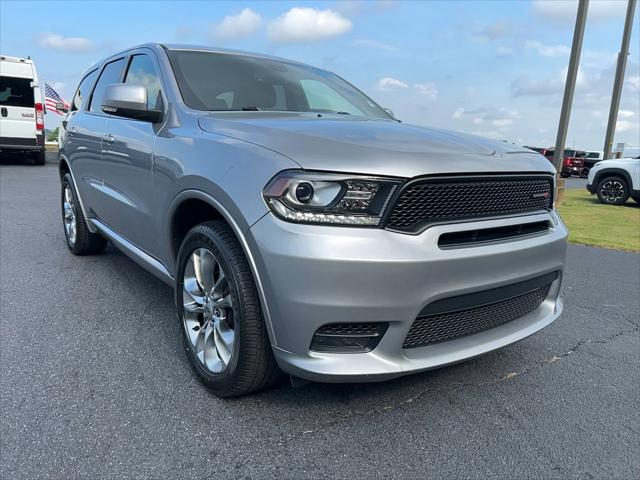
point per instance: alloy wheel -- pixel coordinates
(208, 310)
(69, 212)
(612, 191)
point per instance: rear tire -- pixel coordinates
(79, 239)
(219, 314)
(612, 190)
(40, 158)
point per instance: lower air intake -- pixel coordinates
(348, 337)
(517, 300)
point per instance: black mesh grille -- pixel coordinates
(440, 327)
(349, 329)
(441, 200)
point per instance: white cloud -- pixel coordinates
(625, 126)
(634, 82)
(563, 12)
(54, 41)
(548, 50)
(458, 112)
(524, 85)
(625, 114)
(388, 83)
(501, 122)
(237, 26)
(498, 117)
(303, 24)
(428, 89)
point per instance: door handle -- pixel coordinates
(108, 138)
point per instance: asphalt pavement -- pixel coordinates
(94, 383)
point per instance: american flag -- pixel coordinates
(52, 98)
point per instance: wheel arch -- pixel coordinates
(63, 169)
(613, 172)
(192, 207)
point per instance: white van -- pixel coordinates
(22, 108)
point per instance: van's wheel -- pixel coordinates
(612, 190)
(40, 158)
(79, 239)
(219, 314)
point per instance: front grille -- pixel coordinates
(440, 326)
(452, 199)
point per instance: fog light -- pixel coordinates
(348, 337)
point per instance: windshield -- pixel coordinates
(230, 82)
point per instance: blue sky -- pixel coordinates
(493, 68)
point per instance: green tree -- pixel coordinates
(53, 135)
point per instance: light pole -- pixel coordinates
(569, 88)
(619, 80)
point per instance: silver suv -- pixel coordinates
(304, 228)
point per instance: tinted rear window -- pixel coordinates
(16, 92)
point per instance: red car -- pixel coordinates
(573, 161)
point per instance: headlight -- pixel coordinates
(328, 198)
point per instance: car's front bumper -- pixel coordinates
(591, 188)
(315, 275)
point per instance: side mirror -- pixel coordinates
(130, 101)
(390, 112)
(61, 108)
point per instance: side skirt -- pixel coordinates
(142, 258)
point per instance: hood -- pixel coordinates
(377, 147)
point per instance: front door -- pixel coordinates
(127, 151)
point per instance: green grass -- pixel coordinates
(593, 223)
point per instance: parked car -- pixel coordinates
(573, 162)
(615, 180)
(592, 159)
(303, 228)
(21, 108)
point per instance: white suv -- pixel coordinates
(21, 108)
(615, 180)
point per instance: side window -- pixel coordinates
(83, 90)
(111, 74)
(142, 72)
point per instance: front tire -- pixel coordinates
(612, 190)
(221, 323)
(79, 239)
